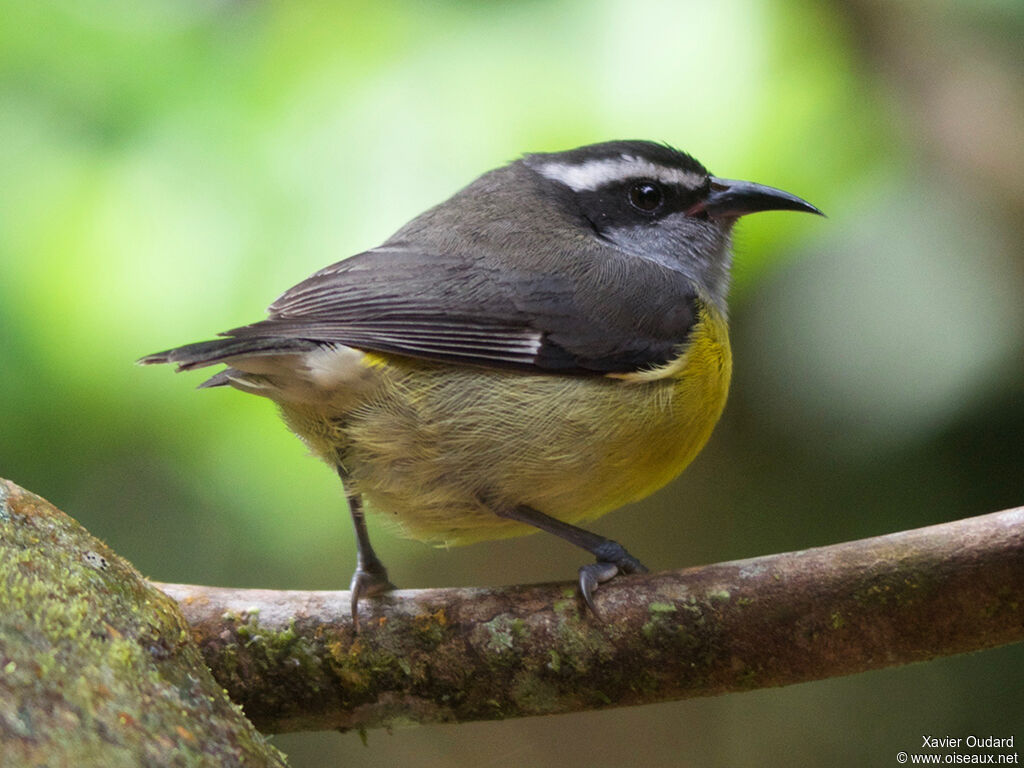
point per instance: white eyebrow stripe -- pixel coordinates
(596, 173)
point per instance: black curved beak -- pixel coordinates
(730, 199)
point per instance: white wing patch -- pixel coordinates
(335, 367)
(596, 173)
(335, 375)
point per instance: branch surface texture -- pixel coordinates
(294, 662)
(96, 666)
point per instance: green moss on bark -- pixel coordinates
(97, 667)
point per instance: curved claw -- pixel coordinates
(592, 575)
(368, 581)
(605, 570)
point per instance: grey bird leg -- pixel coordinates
(370, 577)
(612, 557)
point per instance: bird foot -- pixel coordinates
(604, 570)
(369, 580)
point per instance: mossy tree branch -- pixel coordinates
(96, 666)
(452, 655)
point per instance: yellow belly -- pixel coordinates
(431, 441)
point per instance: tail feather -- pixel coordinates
(204, 353)
(219, 379)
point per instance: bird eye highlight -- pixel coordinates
(646, 196)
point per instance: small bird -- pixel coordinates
(547, 345)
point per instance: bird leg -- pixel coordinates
(612, 557)
(370, 577)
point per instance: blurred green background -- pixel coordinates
(168, 168)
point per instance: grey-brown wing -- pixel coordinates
(458, 309)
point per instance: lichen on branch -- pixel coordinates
(96, 666)
(453, 655)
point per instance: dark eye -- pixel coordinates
(646, 196)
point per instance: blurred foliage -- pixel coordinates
(169, 167)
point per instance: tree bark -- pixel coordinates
(294, 662)
(96, 666)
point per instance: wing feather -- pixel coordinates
(453, 308)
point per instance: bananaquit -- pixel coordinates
(547, 345)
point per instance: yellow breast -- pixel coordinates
(433, 441)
